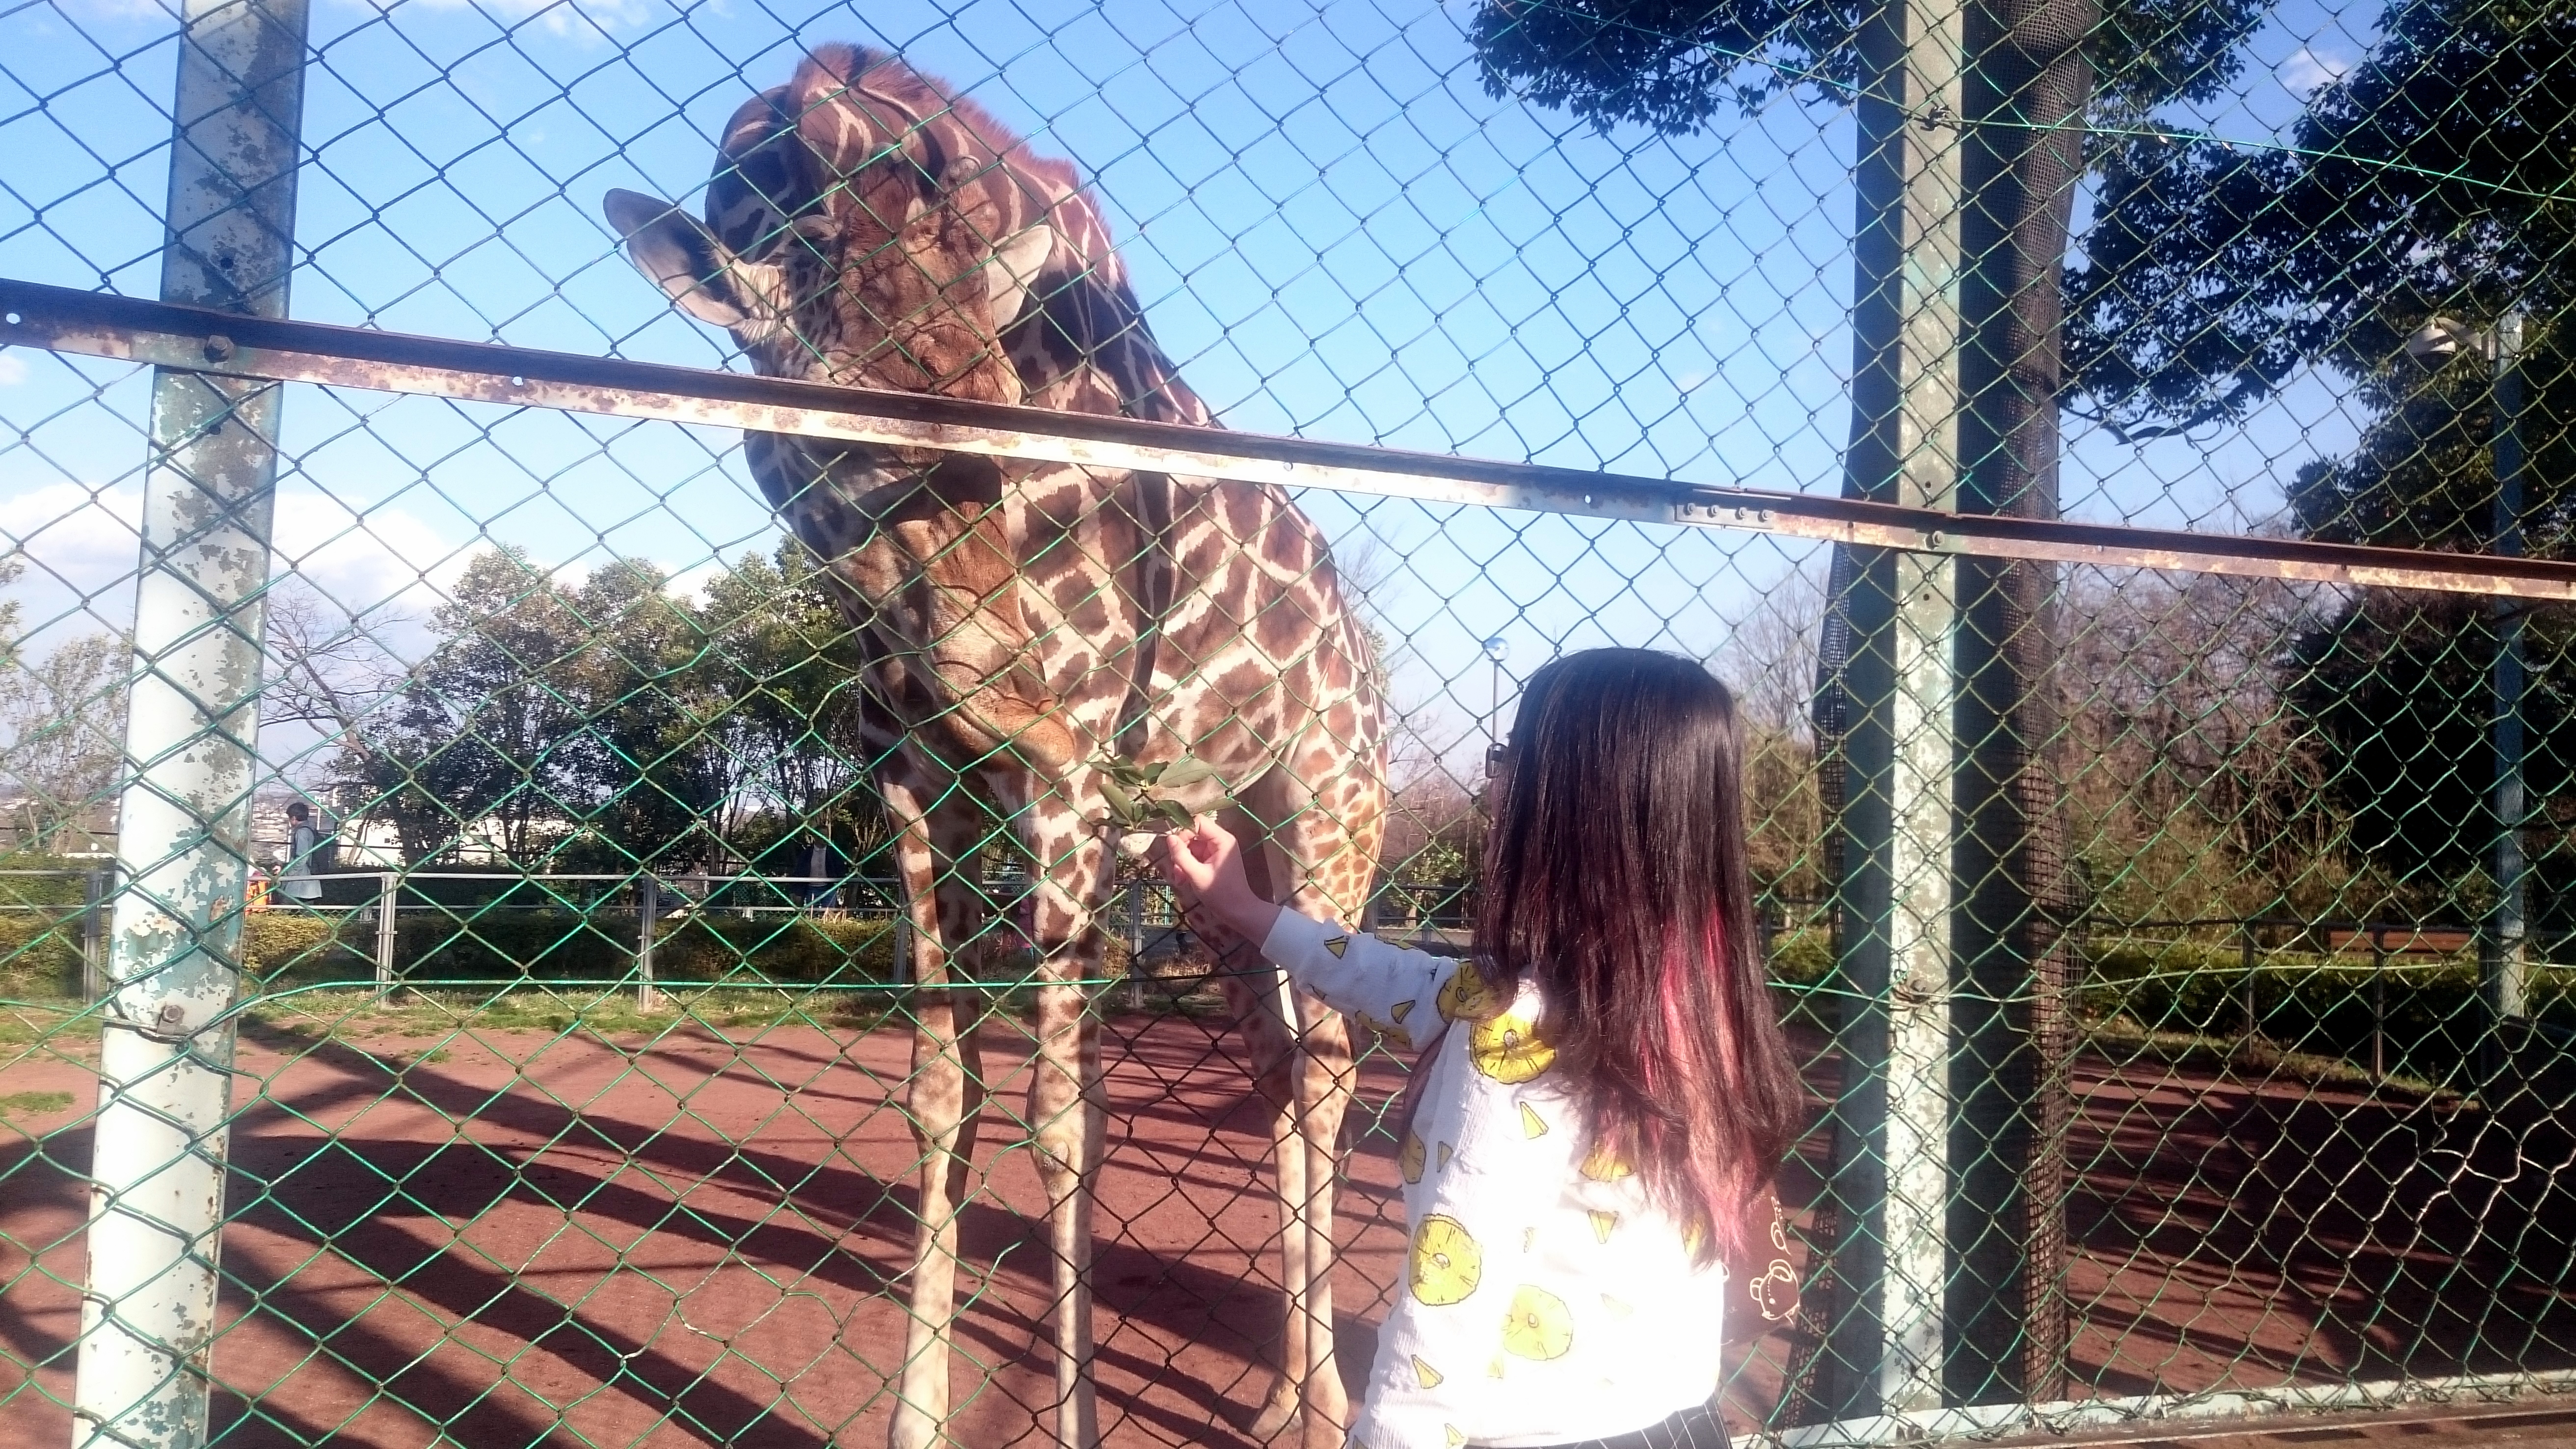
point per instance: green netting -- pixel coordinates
(696, 830)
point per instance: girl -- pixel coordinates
(1605, 1090)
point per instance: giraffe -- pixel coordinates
(1024, 621)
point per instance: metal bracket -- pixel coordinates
(169, 1025)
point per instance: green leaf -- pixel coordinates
(1175, 812)
(1186, 772)
(1121, 803)
(1152, 774)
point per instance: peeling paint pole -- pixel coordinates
(1883, 1351)
(2504, 967)
(183, 841)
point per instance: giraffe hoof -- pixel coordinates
(1274, 1418)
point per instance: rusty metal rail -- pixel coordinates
(97, 324)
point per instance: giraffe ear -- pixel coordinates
(680, 256)
(1013, 270)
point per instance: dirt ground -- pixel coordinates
(521, 1237)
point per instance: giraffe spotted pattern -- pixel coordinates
(1024, 621)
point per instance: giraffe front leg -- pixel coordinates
(941, 1101)
(1315, 864)
(1259, 998)
(1067, 1101)
(1323, 1065)
(1305, 1075)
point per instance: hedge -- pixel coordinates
(40, 953)
(504, 945)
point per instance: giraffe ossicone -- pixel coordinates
(1024, 621)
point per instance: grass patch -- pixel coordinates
(34, 1104)
(59, 1027)
(2121, 1042)
(599, 1011)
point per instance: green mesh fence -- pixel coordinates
(563, 901)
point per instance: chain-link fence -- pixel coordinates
(575, 892)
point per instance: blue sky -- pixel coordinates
(1332, 226)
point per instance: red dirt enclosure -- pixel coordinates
(503, 1238)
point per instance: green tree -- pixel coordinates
(649, 770)
(62, 735)
(476, 744)
(2432, 180)
(780, 650)
(613, 724)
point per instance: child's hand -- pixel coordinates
(1204, 863)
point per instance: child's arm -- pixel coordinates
(1394, 989)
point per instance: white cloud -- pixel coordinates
(13, 369)
(691, 583)
(76, 539)
(2306, 69)
(382, 558)
(84, 543)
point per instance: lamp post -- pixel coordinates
(2502, 967)
(1497, 649)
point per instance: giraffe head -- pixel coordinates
(862, 228)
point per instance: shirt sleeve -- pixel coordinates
(1394, 989)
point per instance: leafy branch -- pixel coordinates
(1138, 794)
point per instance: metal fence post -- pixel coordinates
(1883, 1351)
(2503, 970)
(648, 909)
(388, 903)
(2247, 967)
(183, 842)
(2378, 1007)
(1135, 926)
(96, 886)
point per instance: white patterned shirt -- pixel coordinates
(1545, 1300)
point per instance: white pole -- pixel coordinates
(2504, 969)
(648, 907)
(183, 842)
(1885, 1346)
(98, 885)
(388, 901)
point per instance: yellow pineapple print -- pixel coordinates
(1447, 1261)
(1509, 1049)
(1603, 1164)
(1466, 997)
(1538, 1325)
(1409, 1158)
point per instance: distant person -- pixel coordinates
(296, 880)
(1605, 1092)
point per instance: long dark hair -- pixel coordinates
(1615, 878)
